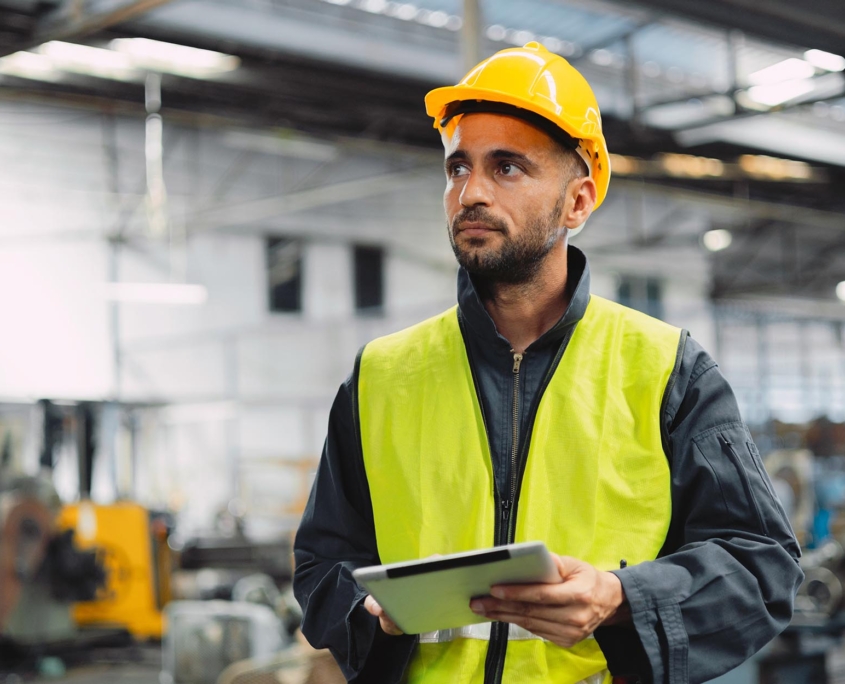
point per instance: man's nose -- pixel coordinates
(476, 191)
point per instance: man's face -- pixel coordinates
(504, 198)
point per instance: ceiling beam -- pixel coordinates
(72, 21)
(809, 24)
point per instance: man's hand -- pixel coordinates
(373, 608)
(563, 613)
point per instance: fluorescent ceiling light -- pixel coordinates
(787, 70)
(128, 59)
(624, 165)
(772, 168)
(155, 55)
(689, 166)
(778, 93)
(825, 60)
(840, 291)
(155, 293)
(717, 240)
(30, 65)
(90, 61)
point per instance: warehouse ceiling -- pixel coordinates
(695, 96)
(816, 23)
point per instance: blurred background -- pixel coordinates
(208, 206)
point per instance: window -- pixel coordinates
(284, 274)
(641, 293)
(369, 279)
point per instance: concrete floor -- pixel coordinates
(136, 665)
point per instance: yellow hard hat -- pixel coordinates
(537, 81)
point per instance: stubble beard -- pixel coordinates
(519, 259)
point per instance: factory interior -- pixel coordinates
(209, 206)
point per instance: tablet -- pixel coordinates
(432, 594)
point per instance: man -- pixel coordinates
(534, 410)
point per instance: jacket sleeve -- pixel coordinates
(336, 536)
(725, 581)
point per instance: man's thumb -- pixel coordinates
(567, 566)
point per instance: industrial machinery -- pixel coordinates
(132, 546)
(42, 570)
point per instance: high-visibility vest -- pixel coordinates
(596, 482)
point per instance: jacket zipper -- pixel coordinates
(495, 661)
(517, 361)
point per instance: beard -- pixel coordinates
(519, 259)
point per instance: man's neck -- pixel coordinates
(522, 312)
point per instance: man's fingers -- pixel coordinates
(387, 625)
(578, 617)
(372, 606)
(562, 634)
(554, 594)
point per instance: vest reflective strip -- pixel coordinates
(479, 631)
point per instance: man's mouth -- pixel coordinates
(475, 229)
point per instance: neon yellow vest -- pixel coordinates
(596, 482)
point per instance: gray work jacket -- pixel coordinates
(721, 588)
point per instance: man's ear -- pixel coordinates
(580, 200)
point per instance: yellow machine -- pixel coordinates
(135, 555)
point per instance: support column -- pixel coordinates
(471, 34)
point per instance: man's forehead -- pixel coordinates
(493, 130)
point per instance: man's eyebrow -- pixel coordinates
(498, 155)
(457, 155)
(512, 155)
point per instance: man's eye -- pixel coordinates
(457, 170)
(509, 169)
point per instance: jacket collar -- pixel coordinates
(577, 284)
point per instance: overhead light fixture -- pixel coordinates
(89, 61)
(625, 165)
(779, 93)
(787, 70)
(406, 12)
(717, 240)
(689, 166)
(825, 60)
(840, 291)
(31, 66)
(170, 58)
(772, 168)
(155, 293)
(126, 59)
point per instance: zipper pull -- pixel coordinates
(517, 359)
(506, 505)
